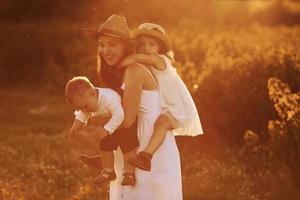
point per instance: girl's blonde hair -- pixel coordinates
(77, 86)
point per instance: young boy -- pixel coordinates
(89, 102)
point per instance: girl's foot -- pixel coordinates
(142, 161)
(105, 177)
(128, 179)
(93, 162)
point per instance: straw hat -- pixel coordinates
(115, 26)
(153, 30)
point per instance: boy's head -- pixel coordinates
(81, 94)
(152, 37)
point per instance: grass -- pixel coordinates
(36, 162)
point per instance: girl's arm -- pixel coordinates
(148, 59)
(134, 79)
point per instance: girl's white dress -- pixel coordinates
(163, 182)
(177, 100)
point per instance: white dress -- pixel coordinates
(163, 182)
(177, 101)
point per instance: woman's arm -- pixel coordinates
(149, 59)
(134, 79)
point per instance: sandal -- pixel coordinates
(128, 179)
(142, 161)
(93, 162)
(105, 177)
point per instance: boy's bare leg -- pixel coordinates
(127, 167)
(93, 162)
(129, 170)
(108, 160)
(88, 145)
(86, 142)
(108, 173)
(162, 125)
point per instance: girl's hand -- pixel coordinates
(127, 61)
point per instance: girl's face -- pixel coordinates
(111, 49)
(86, 102)
(149, 45)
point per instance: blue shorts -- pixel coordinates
(125, 138)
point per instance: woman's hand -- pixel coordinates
(100, 120)
(100, 132)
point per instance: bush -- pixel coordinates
(228, 73)
(279, 157)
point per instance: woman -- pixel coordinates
(140, 99)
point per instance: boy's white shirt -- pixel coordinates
(109, 102)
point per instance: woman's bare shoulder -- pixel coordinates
(136, 70)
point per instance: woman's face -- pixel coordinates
(111, 49)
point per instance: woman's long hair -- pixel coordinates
(110, 76)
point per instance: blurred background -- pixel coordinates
(239, 59)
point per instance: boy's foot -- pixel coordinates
(105, 177)
(128, 178)
(142, 161)
(93, 162)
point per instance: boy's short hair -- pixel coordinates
(77, 86)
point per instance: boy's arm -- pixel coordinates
(81, 116)
(114, 105)
(148, 59)
(77, 124)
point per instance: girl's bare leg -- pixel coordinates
(162, 125)
(143, 158)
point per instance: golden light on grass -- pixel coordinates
(255, 6)
(226, 65)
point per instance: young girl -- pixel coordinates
(179, 112)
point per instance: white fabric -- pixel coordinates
(177, 100)
(163, 182)
(109, 102)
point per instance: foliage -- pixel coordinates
(280, 155)
(228, 72)
(232, 66)
(37, 162)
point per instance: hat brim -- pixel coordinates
(95, 35)
(154, 33)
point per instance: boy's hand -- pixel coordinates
(103, 135)
(72, 133)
